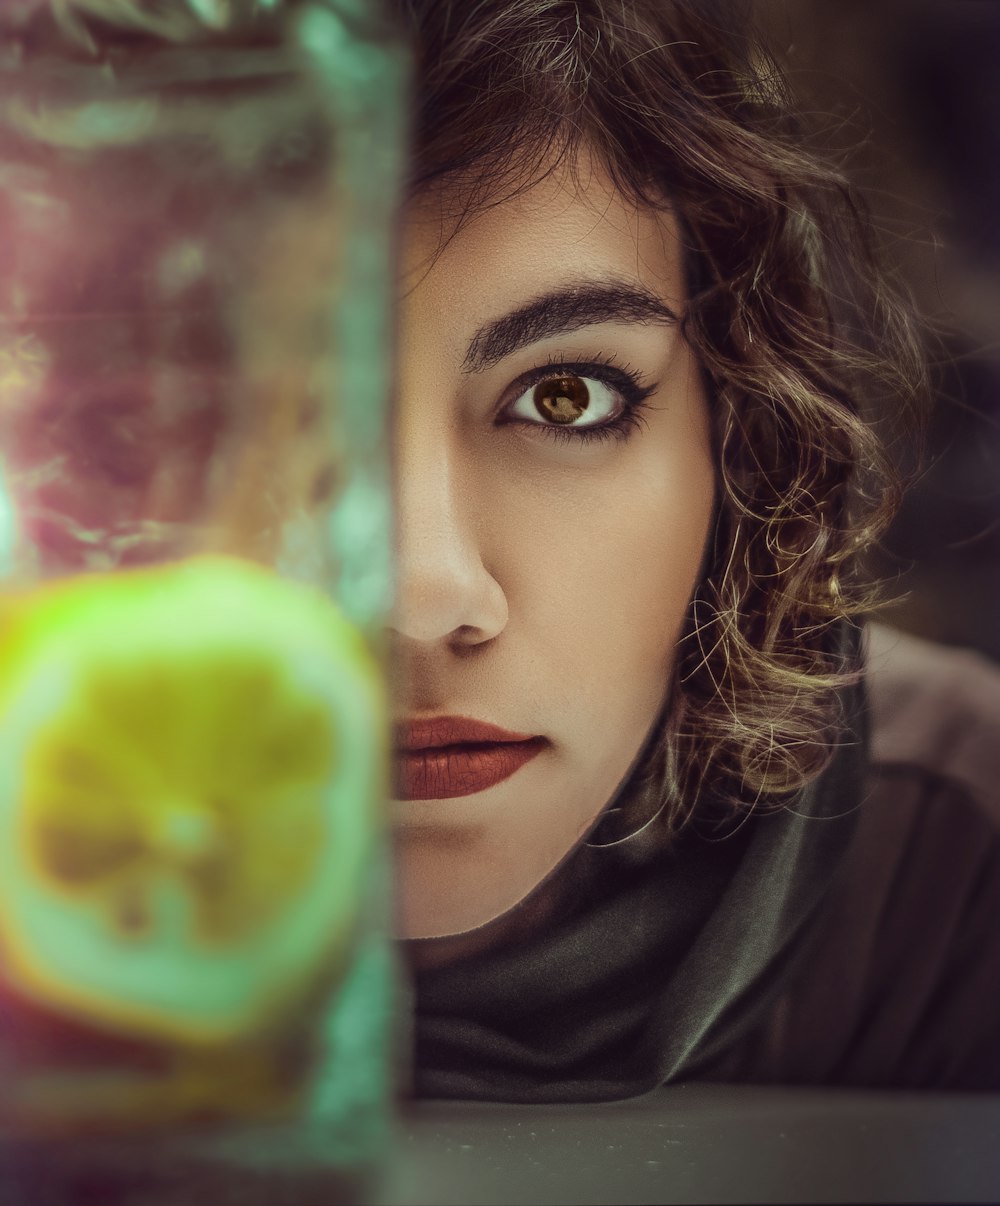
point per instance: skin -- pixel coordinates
(542, 584)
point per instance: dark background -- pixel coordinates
(906, 95)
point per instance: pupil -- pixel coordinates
(561, 399)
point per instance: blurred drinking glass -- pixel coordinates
(196, 199)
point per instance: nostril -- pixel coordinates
(447, 598)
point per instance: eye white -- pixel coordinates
(603, 403)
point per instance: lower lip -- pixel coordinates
(449, 771)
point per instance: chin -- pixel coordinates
(434, 902)
(459, 895)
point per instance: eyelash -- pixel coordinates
(619, 377)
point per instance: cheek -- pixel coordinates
(603, 576)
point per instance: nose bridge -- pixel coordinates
(428, 498)
(442, 585)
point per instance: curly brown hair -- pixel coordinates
(800, 336)
(808, 350)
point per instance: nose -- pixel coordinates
(444, 591)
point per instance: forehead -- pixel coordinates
(571, 222)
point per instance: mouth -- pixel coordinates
(449, 756)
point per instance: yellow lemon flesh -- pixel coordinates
(191, 765)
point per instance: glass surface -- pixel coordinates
(195, 211)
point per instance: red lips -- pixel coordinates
(448, 756)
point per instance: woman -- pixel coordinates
(648, 828)
(643, 832)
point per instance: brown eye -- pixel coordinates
(570, 403)
(561, 399)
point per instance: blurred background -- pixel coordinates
(907, 97)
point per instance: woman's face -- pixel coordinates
(554, 489)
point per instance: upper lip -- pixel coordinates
(437, 731)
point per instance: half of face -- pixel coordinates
(555, 487)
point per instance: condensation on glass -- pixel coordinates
(196, 199)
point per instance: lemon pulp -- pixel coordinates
(191, 761)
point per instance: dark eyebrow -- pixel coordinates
(566, 309)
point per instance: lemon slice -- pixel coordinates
(191, 770)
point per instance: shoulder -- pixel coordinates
(897, 984)
(935, 715)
